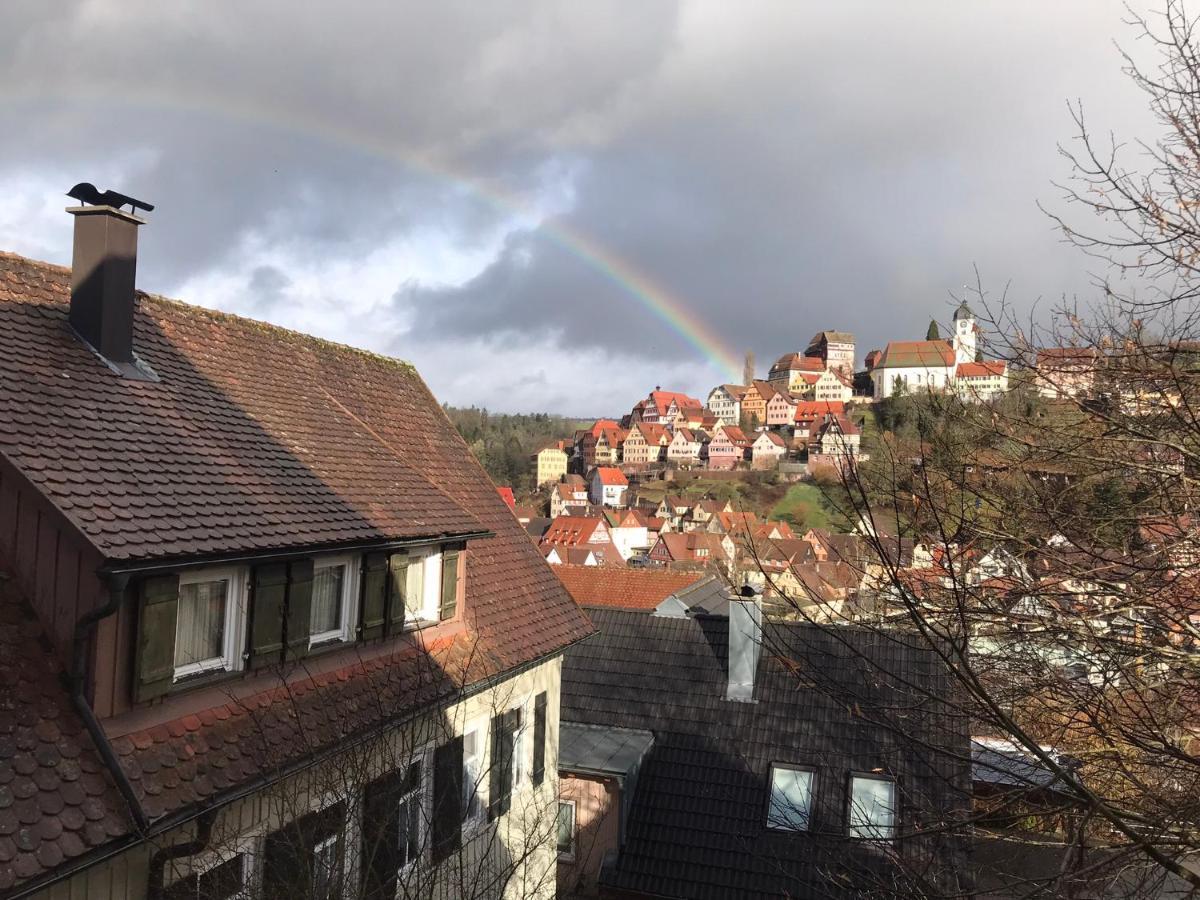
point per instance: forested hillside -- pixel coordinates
(504, 443)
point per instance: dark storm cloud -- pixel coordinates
(777, 167)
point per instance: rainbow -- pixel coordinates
(670, 310)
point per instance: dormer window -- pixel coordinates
(207, 621)
(335, 581)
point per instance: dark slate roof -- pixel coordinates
(697, 827)
(601, 748)
(1000, 763)
(57, 801)
(254, 438)
(708, 596)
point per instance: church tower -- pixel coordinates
(965, 334)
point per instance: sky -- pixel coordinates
(557, 206)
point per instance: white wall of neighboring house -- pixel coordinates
(629, 539)
(914, 378)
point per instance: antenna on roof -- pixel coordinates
(86, 192)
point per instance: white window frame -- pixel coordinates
(430, 558)
(772, 821)
(418, 795)
(479, 780)
(248, 848)
(858, 831)
(351, 562)
(567, 855)
(235, 621)
(332, 841)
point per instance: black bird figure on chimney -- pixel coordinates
(86, 192)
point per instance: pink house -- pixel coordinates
(727, 447)
(767, 450)
(684, 448)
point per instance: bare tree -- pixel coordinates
(457, 801)
(1043, 546)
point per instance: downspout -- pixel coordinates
(83, 629)
(198, 844)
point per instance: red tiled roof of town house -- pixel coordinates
(736, 391)
(253, 439)
(662, 401)
(572, 531)
(735, 434)
(611, 476)
(774, 439)
(980, 369)
(57, 800)
(684, 546)
(798, 361)
(652, 432)
(915, 354)
(765, 389)
(623, 588)
(506, 494)
(814, 409)
(604, 425)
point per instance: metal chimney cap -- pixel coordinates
(107, 211)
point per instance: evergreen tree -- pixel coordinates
(932, 333)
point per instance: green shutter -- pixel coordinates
(446, 824)
(299, 607)
(269, 602)
(398, 586)
(374, 595)
(449, 585)
(156, 636)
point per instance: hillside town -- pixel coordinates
(286, 616)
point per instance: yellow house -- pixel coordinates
(551, 464)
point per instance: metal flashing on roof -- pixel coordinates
(602, 749)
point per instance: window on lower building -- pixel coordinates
(408, 819)
(473, 787)
(326, 867)
(872, 807)
(206, 622)
(790, 806)
(225, 881)
(566, 830)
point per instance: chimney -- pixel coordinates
(102, 283)
(745, 647)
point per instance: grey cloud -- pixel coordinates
(777, 167)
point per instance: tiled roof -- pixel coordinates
(662, 400)
(623, 588)
(916, 354)
(812, 409)
(506, 494)
(651, 431)
(682, 546)
(611, 476)
(254, 438)
(833, 337)
(57, 800)
(572, 530)
(980, 369)
(697, 824)
(735, 391)
(790, 362)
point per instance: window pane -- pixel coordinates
(566, 826)
(414, 594)
(326, 612)
(791, 799)
(872, 808)
(326, 869)
(200, 624)
(472, 801)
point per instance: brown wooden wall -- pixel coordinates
(52, 563)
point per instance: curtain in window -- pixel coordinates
(566, 827)
(200, 623)
(326, 610)
(414, 592)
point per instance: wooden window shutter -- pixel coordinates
(285, 865)
(381, 836)
(501, 768)
(539, 738)
(267, 609)
(156, 637)
(397, 591)
(447, 799)
(374, 595)
(449, 585)
(299, 607)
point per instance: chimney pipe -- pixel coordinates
(103, 267)
(745, 647)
